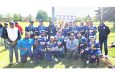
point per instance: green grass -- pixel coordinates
(64, 63)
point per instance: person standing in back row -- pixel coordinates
(13, 35)
(103, 35)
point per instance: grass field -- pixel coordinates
(64, 63)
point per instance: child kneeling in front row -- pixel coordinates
(93, 51)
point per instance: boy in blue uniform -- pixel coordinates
(31, 29)
(65, 33)
(82, 44)
(40, 46)
(51, 29)
(93, 50)
(92, 29)
(40, 27)
(76, 27)
(65, 30)
(82, 28)
(25, 46)
(60, 40)
(52, 47)
(71, 27)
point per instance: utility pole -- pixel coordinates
(101, 9)
(53, 14)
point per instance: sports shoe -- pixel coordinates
(11, 63)
(106, 56)
(87, 62)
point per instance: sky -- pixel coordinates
(78, 8)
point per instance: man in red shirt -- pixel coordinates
(19, 27)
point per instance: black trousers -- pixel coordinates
(103, 40)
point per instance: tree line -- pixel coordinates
(41, 14)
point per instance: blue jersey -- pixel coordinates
(25, 43)
(51, 30)
(81, 28)
(71, 29)
(95, 45)
(50, 45)
(92, 30)
(30, 29)
(65, 31)
(77, 29)
(42, 46)
(40, 28)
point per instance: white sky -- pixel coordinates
(73, 7)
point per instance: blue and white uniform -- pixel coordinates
(31, 30)
(51, 50)
(40, 48)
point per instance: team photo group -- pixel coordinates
(54, 43)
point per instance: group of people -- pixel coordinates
(54, 43)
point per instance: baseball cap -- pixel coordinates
(11, 23)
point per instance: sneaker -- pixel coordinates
(106, 56)
(17, 62)
(55, 59)
(87, 62)
(11, 63)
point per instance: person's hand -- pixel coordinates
(82, 51)
(59, 43)
(81, 45)
(25, 49)
(13, 43)
(42, 43)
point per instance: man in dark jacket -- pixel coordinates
(4, 35)
(103, 35)
(1, 32)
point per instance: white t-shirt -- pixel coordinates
(12, 33)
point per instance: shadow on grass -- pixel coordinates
(67, 63)
(41, 64)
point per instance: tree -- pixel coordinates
(1, 16)
(86, 18)
(42, 15)
(79, 19)
(108, 14)
(49, 18)
(16, 17)
(30, 17)
(9, 17)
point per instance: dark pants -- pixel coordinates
(70, 53)
(25, 56)
(38, 55)
(101, 40)
(57, 54)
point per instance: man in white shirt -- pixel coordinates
(13, 35)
